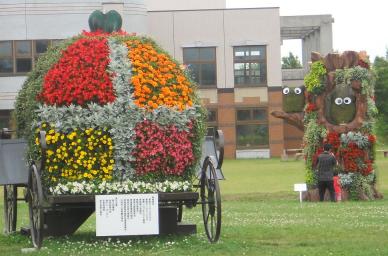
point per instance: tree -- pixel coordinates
(380, 67)
(292, 61)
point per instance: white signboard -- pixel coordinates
(300, 187)
(124, 215)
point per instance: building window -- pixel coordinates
(252, 128)
(250, 66)
(19, 57)
(6, 57)
(201, 62)
(211, 122)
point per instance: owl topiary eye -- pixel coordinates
(347, 100)
(286, 90)
(338, 101)
(298, 90)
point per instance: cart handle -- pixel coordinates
(220, 142)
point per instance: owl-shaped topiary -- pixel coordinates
(293, 99)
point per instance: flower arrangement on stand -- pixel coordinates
(119, 113)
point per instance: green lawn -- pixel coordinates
(261, 216)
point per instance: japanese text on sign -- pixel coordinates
(130, 214)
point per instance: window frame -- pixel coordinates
(248, 60)
(200, 63)
(214, 123)
(252, 121)
(33, 55)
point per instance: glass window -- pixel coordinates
(251, 135)
(211, 122)
(250, 66)
(56, 42)
(201, 62)
(207, 54)
(212, 115)
(194, 71)
(23, 48)
(208, 74)
(41, 46)
(6, 49)
(251, 128)
(20, 56)
(244, 114)
(6, 65)
(23, 65)
(259, 114)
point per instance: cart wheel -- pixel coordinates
(35, 198)
(10, 208)
(211, 201)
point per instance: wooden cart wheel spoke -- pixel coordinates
(10, 208)
(211, 201)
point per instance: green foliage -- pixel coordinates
(314, 80)
(343, 113)
(26, 104)
(313, 137)
(293, 102)
(311, 178)
(291, 61)
(360, 185)
(380, 67)
(360, 139)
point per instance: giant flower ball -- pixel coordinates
(114, 107)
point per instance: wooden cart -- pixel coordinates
(58, 215)
(13, 174)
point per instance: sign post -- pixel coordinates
(300, 187)
(129, 214)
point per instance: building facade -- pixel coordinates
(233, 55)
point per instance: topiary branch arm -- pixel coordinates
(295, 119)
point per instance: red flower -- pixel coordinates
(363, 64)
(333, 139)
(80, 76)
(162, 150)
(311, 107)
(372, 139)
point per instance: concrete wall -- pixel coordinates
(162, 5)
(55, 19)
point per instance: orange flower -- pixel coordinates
(156, 79)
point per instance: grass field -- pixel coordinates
(261, 216)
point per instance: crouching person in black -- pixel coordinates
(325, 165)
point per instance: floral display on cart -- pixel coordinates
(340, 110)
(119, 114)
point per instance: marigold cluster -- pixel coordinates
(156, 79)
(163, 150)
(78, 155)
(80, 76)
